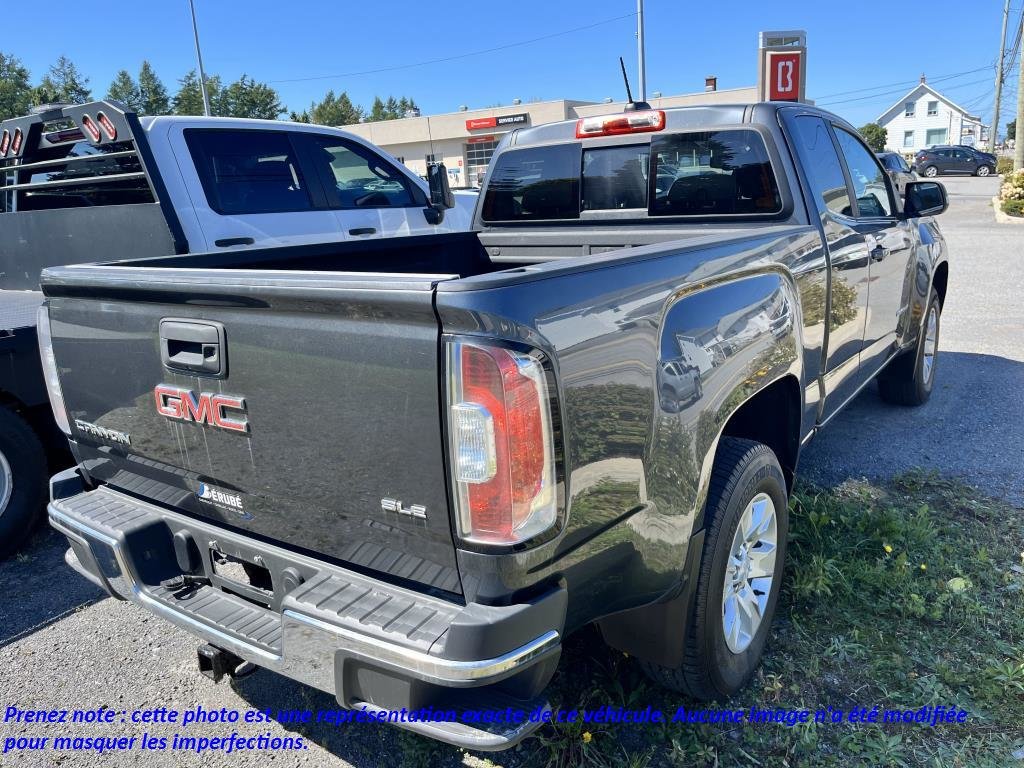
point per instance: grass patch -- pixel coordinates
(899, 595)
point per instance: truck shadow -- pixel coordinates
(971, 429)
(39, 588)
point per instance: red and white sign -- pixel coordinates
(480, 139)
(783, 73)
(481, 122)
(520, 118)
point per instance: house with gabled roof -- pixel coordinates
(924, 118)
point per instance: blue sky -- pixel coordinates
(877, 49)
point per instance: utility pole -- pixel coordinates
(199, 57)
(1018, 147)
(640, 49)
(994, 133)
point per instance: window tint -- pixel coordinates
(615, 177)
(248, 171)
(869, 184)
(356, 178)
(88, 188)
(713, 173)
(532, 184)
(821, 163)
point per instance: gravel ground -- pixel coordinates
(63, 645)
(973, 425)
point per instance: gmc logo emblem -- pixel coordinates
(205, 408)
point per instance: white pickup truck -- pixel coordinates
(92, 182)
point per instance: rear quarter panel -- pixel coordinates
(637, 461)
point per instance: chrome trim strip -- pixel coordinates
(445, 671)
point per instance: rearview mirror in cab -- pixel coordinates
(925, 198)
(441, 196)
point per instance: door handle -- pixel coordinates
(363, 231)
(193, 346)
(229, 241)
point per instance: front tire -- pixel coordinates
(931, 171)
(908, 380)
(740, 574)
(984, 170)
(22, 481)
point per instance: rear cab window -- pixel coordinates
(724, 172)
(249, 171)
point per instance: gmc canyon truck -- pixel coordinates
(92, 181)
(403, 471)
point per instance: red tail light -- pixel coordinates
(502, 443)
(615, 125)
(5, 142)
(90, 128)
(16, 141)
(108, 127)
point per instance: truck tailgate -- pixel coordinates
(322, 433)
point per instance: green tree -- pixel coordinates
(63, 83)
(126, 90)
(189, 98)
(247, 98)
(15, 89)
(152, 92)
(875, 135)
(332, 110)
(377, 112)
(392, 109)
(1011, 129)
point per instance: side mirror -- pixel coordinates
(924, 198)
(440, 191)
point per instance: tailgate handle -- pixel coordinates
(193, 346)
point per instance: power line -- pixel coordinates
(459, 56)
(893, 93)
(939, 79)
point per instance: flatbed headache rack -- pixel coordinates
(23, 140)
(72, 168)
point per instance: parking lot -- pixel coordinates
(63, 645)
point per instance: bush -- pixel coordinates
(1013, 207)
(1013, 187)
(1004, 165)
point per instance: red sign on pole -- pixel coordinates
(784, 76)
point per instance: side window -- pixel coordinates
(822, 165)
(355, 177)
(534, 184)
(246, 171)
(869, 180)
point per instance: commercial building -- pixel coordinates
(465, 140)
(924, 118)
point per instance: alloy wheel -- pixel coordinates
(749, 573)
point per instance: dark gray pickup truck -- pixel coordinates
(402, 471)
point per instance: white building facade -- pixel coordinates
(924, 118)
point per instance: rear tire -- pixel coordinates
(908, 380)
(931, 171)
(22, 481)
(718, 660)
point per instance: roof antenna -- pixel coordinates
(631, 106)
